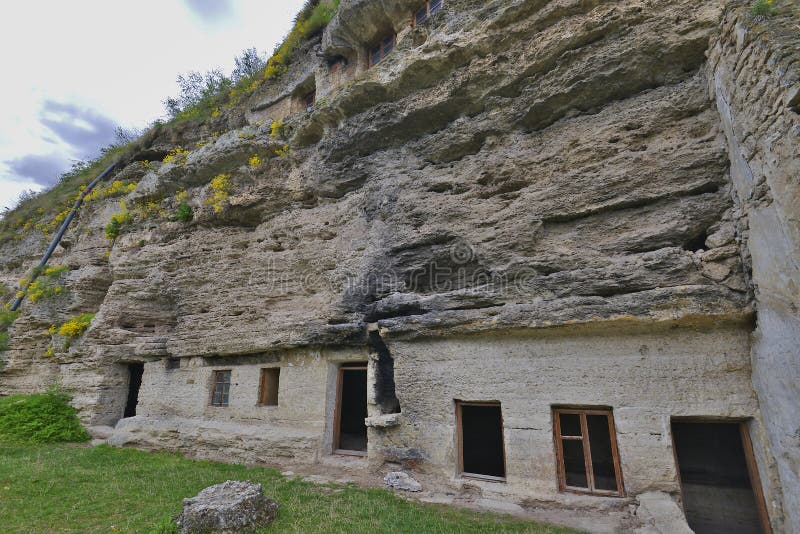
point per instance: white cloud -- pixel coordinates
(113, 60)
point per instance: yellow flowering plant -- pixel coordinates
(220, 191)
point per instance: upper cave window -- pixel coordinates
(338, 71)
(381, 50)
(430, 8)
(304, 98)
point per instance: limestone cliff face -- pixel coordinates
(511, 164)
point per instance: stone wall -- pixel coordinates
(755, 79)
(646, 377)
(175, 411)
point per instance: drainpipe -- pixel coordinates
(57, 239)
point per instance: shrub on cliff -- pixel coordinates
(41, 418)
(762, 8)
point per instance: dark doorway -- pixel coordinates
(721, 490)
(480, 436)
(135, 372)
(351, 410)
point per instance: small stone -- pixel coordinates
(227, 508)
(716, 271)
(723, 236)
(401, 481)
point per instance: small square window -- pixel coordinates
(586, 448)
(220, 395)
(268, 389)
(172, 364)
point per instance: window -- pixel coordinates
(481, 452)
(430, 8)
(222, 388)
(307, 100)
(172, 364)
(337, 71)
(379, 52)
(586, 449)
(268, 390)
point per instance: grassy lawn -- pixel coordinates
(74, 488)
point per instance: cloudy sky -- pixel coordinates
(73, 70)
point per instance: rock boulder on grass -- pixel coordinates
(227, 508)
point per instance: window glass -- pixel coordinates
(421, 15)
(574, 466)
(602, 456)
(222, 386)
(388, 45)
(570, 424)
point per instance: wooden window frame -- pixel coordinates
(216, 382)
(337, 412)
(381, 51)
(750, 460)
(587, 451)
(262, 385)
(460, 439)
(428, 14)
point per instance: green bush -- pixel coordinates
(7, 318)
(762, 8)
(184, 213)
(41, 418)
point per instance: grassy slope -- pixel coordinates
(72, 488)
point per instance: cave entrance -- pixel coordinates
(350, 430)
(481, 452)
(719, 480)
(135, 372)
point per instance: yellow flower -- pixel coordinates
(276, 129)
(255, 161)
(177, 156)
(220, 191)
(76, 326)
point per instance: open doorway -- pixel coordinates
(481, 452)
(719, 481)
(350, 431)
(135, 372)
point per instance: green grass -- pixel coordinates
(43, 418)
(72, 488)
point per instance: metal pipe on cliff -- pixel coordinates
(57, 239)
